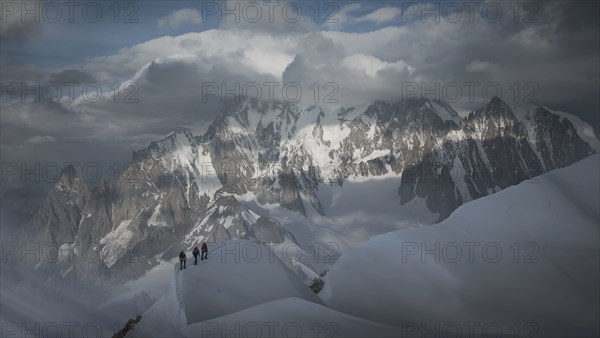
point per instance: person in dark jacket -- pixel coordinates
(204, 251)
(182, 260)
(195, 252)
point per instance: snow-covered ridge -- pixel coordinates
(529, 253)
(231, 291)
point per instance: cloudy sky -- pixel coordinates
(157, 63)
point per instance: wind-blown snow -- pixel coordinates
(546, 273)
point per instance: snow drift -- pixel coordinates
(522, 261)
(244, 289)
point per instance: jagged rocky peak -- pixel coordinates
(419, 112)
(227, 218)
(68, 187)
(495, 120)
(267, 150)
(496, 108)
(68, 174)
(59, 216)
(170, 143)
(584, 130)
(239, 109)
(557, 140)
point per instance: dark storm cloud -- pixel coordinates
(556, 51)
(575, 58)
(576, 18)
(559, 53)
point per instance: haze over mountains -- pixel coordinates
(282, 174)
(356, 168)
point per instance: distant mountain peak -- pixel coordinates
(496, 107)
(168, 144)
(68, 175)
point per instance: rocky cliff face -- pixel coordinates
(181, 191)
(50, 235)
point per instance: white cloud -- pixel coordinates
(346, 16)
(343, 16)
(381, 15)
(371, 65)
(179, 18)
(366, 66)
(39, 139)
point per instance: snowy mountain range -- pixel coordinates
(284, 174)
(546, 232)
(524, 260)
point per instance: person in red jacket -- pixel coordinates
(204, 251)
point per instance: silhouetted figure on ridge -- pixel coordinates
(182, 260)
(195, 252)
(204, 251)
